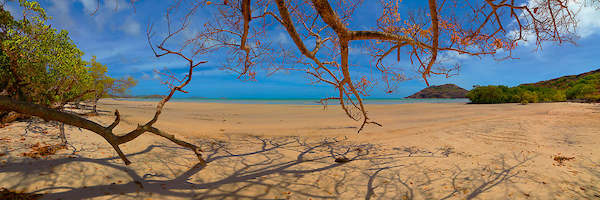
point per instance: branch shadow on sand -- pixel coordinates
(253, 167)
(418, 179)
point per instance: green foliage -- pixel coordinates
(121, 86)
(102, 83)
(502, 94)
(581, 91)
(529, 97)
(584, 87)
(592, 79)
(486, 94)
(106, 86)
(40, 64)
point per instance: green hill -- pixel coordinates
(566, 82)
(582, 87)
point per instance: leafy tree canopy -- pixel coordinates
(40, 64)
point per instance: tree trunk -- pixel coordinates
(94, 108)
(63, 137)
(106, 132)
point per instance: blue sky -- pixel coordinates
(116, 34)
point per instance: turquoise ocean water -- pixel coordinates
(304, 101)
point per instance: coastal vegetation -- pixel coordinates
(584, 87)
(504, 94)
(42, 65)
(106, 86)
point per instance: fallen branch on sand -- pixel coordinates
(105, 131)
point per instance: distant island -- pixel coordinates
(447, 91)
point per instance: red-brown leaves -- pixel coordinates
(560, 159)
(38, 151)
(8, 194)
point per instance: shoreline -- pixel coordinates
(294, 101)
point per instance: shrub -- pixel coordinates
(503, 94)
(486, 94)
(580, 91)
(529, 97)
(515, 98)
(560, 95)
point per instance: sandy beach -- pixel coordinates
(260, 151)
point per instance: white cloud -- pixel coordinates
(449, 58)
(189, 33)
(587, 17)
(529, 37)
(113, 49)
(117, 5)
(146, 76)
(131, 27)
(159, 64)
(213, 72)
(60, 11)
(156, 76)
(89, 5)
(105, 11)
(588, 20)
(283, 38)
(356, 51)
(458, 56)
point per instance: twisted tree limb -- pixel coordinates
(106, 132)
